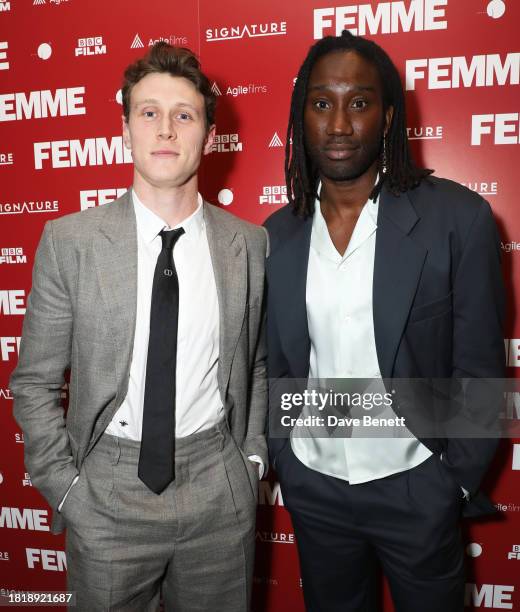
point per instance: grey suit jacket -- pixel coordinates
(81, 316)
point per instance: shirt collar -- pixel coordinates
(366, 225)
(149, 224)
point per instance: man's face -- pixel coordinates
(344, 120)
(166, 130)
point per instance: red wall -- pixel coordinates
(464, 99)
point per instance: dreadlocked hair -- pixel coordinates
(401, 172)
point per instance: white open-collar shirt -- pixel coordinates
(341, 329)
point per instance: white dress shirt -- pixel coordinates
(198, 404)
(341, 330)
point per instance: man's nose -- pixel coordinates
(167, 129)
(340, 122)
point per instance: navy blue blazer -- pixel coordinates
(438, 303)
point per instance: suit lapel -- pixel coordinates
(288, 275)
(229, 258)
(115, 255)
(397, 269)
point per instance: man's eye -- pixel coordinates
(184, 116)
(359, 103)
(321, 104)
(149, 114)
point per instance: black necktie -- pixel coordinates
(156, 459)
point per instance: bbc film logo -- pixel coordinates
(227, 143)
(514, 553)
(93, 45)
(12, 256)
(273, 195)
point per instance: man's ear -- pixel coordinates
(126, 133)
(210, 137)
(388, 118)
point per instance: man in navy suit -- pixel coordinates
(378, 271)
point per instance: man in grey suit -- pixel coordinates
(154, 302)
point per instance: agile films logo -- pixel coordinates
(172, 39)
(5, 5)
(249, 30)
(239, 90)
(383, 18)
(55, 2)
(92, 45)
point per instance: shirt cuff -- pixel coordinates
(68, 491)
(261, 466)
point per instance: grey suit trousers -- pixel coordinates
(193, 544)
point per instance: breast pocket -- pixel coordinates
(433, 309)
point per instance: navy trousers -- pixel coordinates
(406, 523)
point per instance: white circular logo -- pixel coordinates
(44, 51)
(1, 478)
(496, 8)
(119, 97)
(225, 197)
(473, 550)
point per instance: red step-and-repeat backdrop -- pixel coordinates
(61, 63)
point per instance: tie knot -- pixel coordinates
(170, 237)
